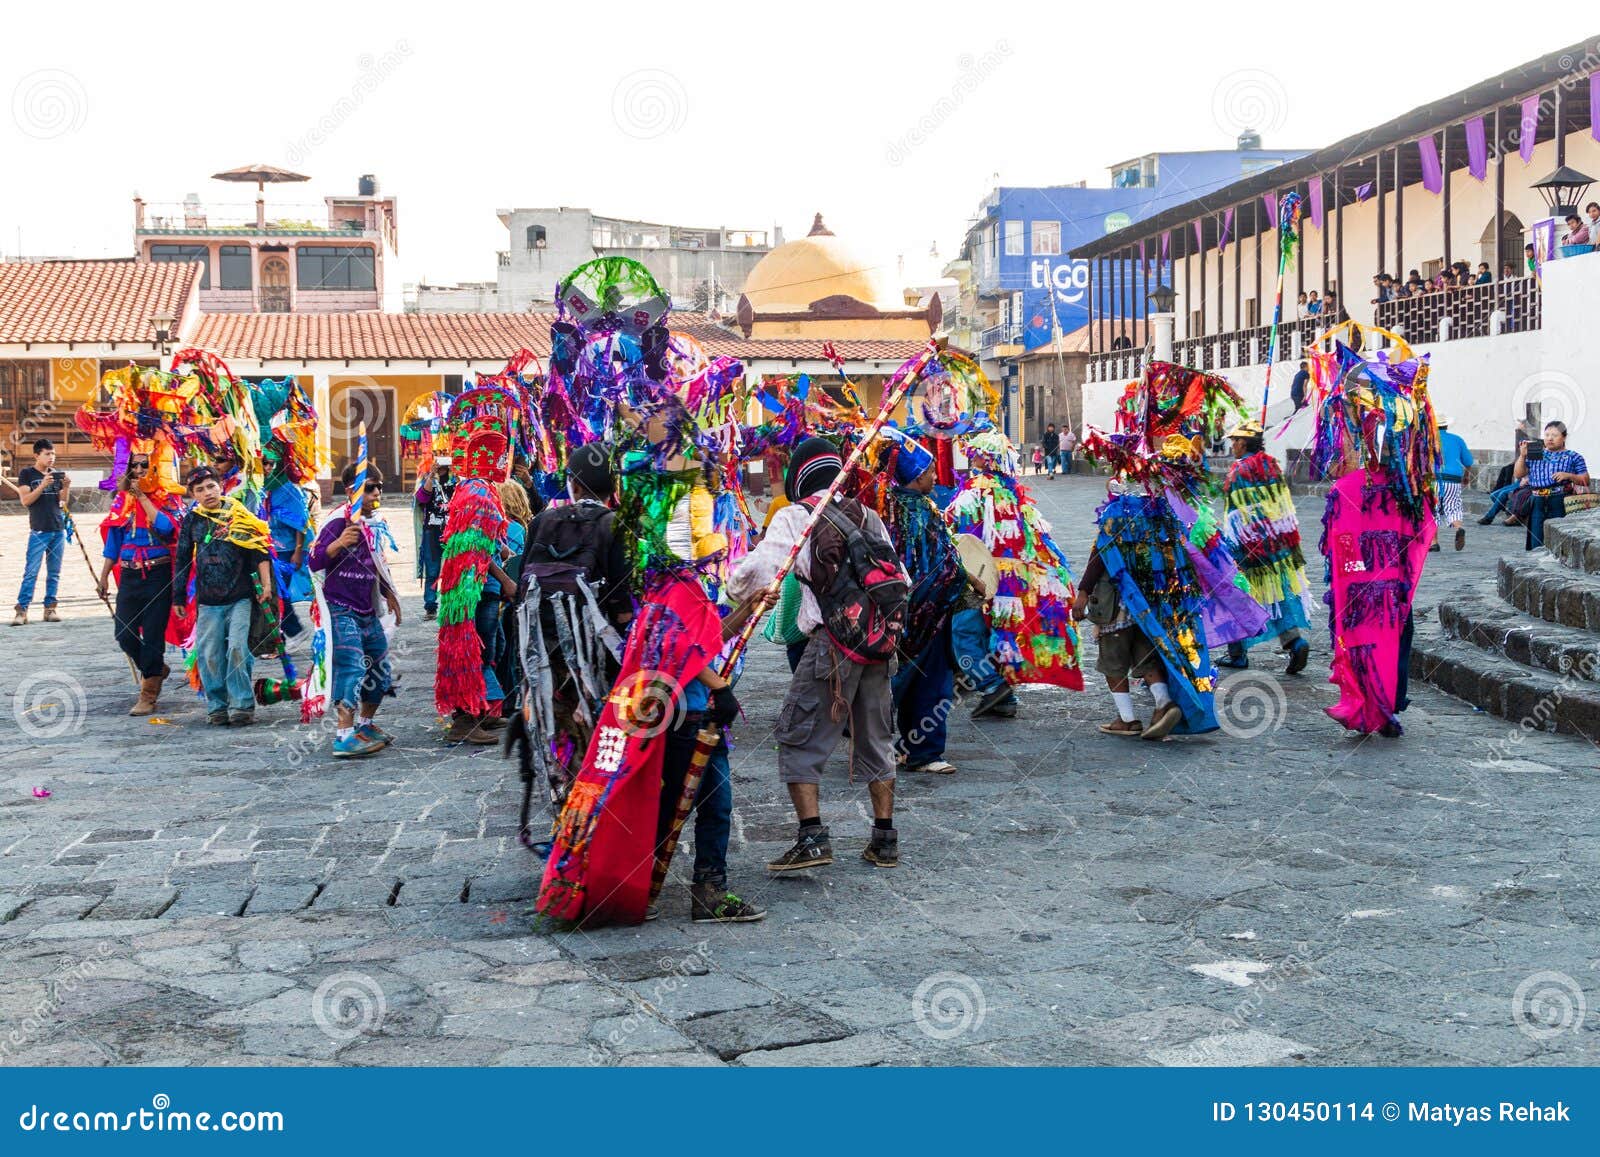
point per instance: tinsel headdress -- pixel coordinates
(1376, 414)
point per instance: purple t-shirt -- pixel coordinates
(350, 578)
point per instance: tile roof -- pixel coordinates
(369, 336)
(91, 301)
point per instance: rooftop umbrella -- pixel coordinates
(261, 175)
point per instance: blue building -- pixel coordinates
(1021, 287)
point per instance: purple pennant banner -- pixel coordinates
(1363, 192)
(1166, 244)
(1199, 235)
(1477, 149)
(1316, 201)
(1272, 202)
(1227, 232)
(1594, 105)
(1530, 128)
(1432, 174)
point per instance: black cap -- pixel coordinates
(590, 466)
(813, 465)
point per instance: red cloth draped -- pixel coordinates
(604, 850)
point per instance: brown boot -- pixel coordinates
(149, 688)
(50, 615)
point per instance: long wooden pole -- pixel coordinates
(708, 737)
(1288, 223)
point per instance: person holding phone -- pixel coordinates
(45, 492)
(1552, 472)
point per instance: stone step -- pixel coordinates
(1532, 698)
(1575, 541)
(1537, 583)
(1478, 617)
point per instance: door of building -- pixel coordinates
(274, 285)
(375, 406)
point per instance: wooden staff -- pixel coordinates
(709, 736)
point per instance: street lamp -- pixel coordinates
(1562, 190)
(162, 324)
(1162, 299)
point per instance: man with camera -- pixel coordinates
(45, 491)
(1550, 471)
(433, 502)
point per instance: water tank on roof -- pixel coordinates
(1249, 139)
(367, 186)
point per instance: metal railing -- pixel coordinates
(1470, 310)
(997, 335)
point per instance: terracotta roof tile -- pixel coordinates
(91, 301)
(369, 336)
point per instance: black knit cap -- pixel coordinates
(813, 465)
(590, 466)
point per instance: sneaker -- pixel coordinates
(991, 700)
(935, 767)
(372, 733)
(1132, 728)
(218, 718)
(712, 903)
(1162, 723)
(1486, 520)
(1299, 655)
(241, 718)
(1005, 711)
(883, 850)
(353, 745)
(811, 850)
(1461, 538)
(50, 615)
(20, 619)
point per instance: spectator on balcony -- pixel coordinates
(1380, 283)
(1551, 476)
(1593, 210)
(1331, 310)
(1577, 233)
(1299, 309)
(1508, 271)
(1484, 276)
(1531, 258)
(1414, 284)
(1313, 306)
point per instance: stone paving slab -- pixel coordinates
(1274, 893)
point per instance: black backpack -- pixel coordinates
(859, 585)
(565, 544)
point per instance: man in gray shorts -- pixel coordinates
(829, 691)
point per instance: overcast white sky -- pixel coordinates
(891, 119)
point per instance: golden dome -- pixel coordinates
(818, 266)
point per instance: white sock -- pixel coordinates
(1124, 702)
(1159, 690)
(343, 732)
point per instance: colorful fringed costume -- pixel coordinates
(1144, 548)
(1375, 552)
(1032, 636)
(1263, 534)
(1228, 612)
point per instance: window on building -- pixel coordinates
(1016, 310)
(1014, 239)
(1046, 238)
(234, 266)
(335, 267)
(536, 238)
(200, 253)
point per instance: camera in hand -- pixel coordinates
(1535, 452)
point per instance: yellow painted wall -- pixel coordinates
(74, 379)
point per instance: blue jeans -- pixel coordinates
(1499, 498)
(969, 639)
(432, 552)
(360, 658)
(487, 622)
(1541, 511)
(222, 639)
(713, 802)
(924, 695)
(48, 546)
